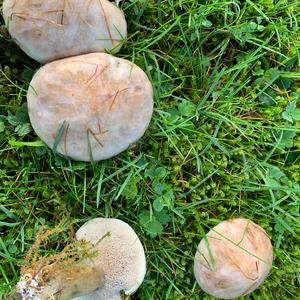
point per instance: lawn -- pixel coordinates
(223, 142)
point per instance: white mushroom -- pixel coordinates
(233, 259)
(122, 257)
(108, 259)
(51, 29)
(90, 107)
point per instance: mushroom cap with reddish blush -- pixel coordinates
(234, 259)
(48, 30)
(90, 107)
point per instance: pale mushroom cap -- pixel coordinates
(121, 256)
(235, 261)
(51, 29)
(91, 106)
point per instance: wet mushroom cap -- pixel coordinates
(47, 30)
(121, 257)
(90, 107)
(234, 259)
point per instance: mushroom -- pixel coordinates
(117, 265)
(90, 107)
(233, 259)
(122, 260)
(47, 30)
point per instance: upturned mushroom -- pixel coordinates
(90, 107)
(47, 30)
(122, 260)
(233, 259)
(117, 265)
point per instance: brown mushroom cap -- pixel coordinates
(51, 29)
(90, 107)
(234, 259)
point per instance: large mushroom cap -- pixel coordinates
(234, 259)
(51, 29)
(121, 257)
(90, 107)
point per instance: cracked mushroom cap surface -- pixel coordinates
(47, 30)
(121, 257)
(234, 259)
(90, 107)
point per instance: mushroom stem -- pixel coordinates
(66, 283)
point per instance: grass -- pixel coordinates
(223, 142)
